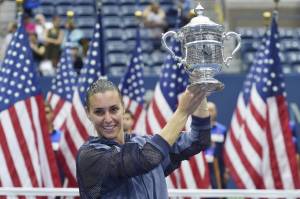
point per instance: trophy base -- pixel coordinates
(209, 85)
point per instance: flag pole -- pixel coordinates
(266, 18)
(19, 4)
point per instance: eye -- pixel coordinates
(114, 109)
(99, 112)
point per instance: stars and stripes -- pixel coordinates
(259, 150)
(78, 126)
(132, 87)
(26, 155)
(61, 93)
(173, 81)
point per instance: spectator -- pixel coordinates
(55, 135)
(128, 121)
(11, 29)
(29, 24)
(41, 27)
(72, 35)
(38, 49)
(155, 18)
(76, 58)
(53, 40)
(214, 154)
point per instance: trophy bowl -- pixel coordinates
(202, 46)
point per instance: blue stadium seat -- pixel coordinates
(109, 2)
(248, 32)
(113, 34)
(146, 33)
(128, 10)
(64, 2)
(111, 10)
(147, 46)
(111, 22)
(286, 33)
(115, 46)
(128, 2)
(85, 10)
(47, 10)
(117, 59)
(287, 69)
(248, 58)
(47, 2)
(145, 2)
(86, 22)
(297, 68)
(290, 45)
(130, 22)
(130, 33)
(88, 33)
(62, 10)
(158, 58)
(294, 58)
(85, 2)
(283, 58)
(250, 45)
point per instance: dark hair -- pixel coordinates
(100, 86)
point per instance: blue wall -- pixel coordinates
(225, 100)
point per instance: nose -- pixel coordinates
(107, 117)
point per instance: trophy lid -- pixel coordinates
(201, 20)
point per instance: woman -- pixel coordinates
(118, 165)
(53, 40)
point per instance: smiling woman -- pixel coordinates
(119, 165)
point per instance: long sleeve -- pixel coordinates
(98, 162)
(189, 144)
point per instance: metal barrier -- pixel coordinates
(207, 193)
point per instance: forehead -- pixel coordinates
(105, 99)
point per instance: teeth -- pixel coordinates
(108, 127)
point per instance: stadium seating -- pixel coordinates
(289, 46)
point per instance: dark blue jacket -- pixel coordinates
(136, 169)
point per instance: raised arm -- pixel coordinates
(191, 142)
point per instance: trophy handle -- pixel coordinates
(238, 39)
(165, 45)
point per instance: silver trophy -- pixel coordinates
(202, 50)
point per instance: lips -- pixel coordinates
(108, 129)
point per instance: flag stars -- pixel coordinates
(171, 94)
(265, 89)
(275, 88)
(273, 75)
(95, 44)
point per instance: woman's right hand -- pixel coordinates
(191, 99)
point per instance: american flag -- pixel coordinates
(62, 89)
(132, 87)
(173, 81)
(26, 155)
(258, 150)
(78, 126)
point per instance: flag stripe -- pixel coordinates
(273, 159)
(9, 159)
(283, 118)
